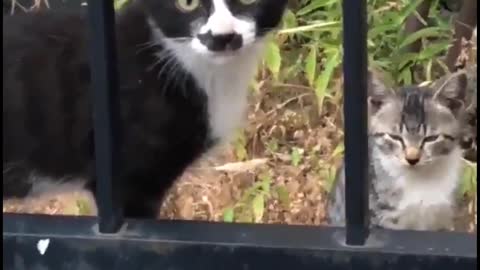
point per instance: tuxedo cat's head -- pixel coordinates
(215, 29)
(416, 126)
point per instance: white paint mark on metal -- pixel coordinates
(42, 245)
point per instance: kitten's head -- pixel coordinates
(215, 29)
(416, 126)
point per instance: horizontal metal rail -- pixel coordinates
(74, 243)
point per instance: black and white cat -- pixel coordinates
(184, 65)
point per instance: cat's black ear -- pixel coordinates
(451, 90)
(378, 91)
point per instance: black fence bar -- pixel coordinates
(355, 63)
(182, 245)
(104, 74)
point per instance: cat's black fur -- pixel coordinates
(47, 125)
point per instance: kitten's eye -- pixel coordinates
(395, 137)
(248, 2)
(431, 138)
(187, 5)
(448, 137)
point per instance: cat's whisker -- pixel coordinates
(145, 43)
(168, 60)
(170, 73)
(179, 39)
(152, 66)
(161, 57)
(146, 46)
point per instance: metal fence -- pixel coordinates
(110, 242)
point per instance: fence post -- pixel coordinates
(355, 63)
(104, 74)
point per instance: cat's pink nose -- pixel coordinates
(412, 155)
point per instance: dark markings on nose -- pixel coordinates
(224, 42)
(412, 161)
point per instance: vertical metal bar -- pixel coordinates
(104, 74)
(355, 63)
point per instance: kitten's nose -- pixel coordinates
(221, 42)
(412, 155)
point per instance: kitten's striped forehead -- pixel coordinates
(413, 110)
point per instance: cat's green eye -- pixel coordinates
(187, 5)
(248, 2)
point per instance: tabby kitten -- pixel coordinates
(469, 142)
(184, 66)
(415, 156)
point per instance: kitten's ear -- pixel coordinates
(378, 91)
(451, 91)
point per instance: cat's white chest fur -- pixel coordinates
(226, 86)
(226, 109)
(427, 194)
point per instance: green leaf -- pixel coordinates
(245, 217)
(272, 145)
(83, 207)
(265, 182)
(333, 60)
(338, 150)
(332, 174)
(311, 64)
(314, 5)
(321, 25)
(283, 196)
(239, 146)
(228, 215)
(273, 58)
(118, 4)
(296, 156)
(406, 76)
(382, 29)
(406, 60)
(289, 20)
(408, 10)
(469, 179)
(423, 33)
(433, 50)
(258, 207)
